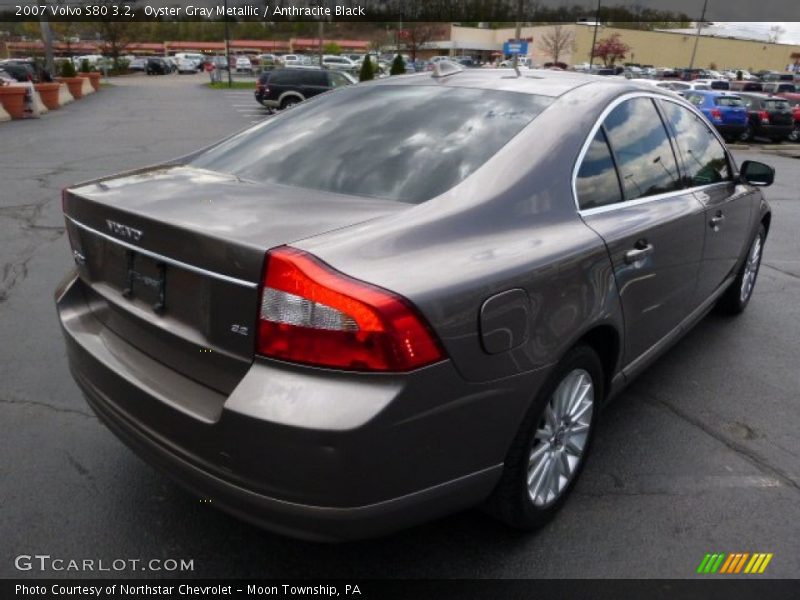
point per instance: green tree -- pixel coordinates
(367, 70)
(332, 48)
(68, 69)
(398, 66)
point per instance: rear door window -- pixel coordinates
(642, 149)
(704, 158)
(597, 183)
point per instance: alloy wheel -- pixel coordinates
(561, 438)
(751, 265)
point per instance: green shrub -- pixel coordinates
(68, 69)
(398, 66)
(367, 70)
(85, 66)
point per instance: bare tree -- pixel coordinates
(557, 42)
(775, 33)
(416, 35)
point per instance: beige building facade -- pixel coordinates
(657, 48)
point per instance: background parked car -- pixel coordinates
(770, 117)
(20, 70)
(157, 66)
(747, 86)
(281, 88)
(219, 62)
(726, 111)
(187, 65)
(339, 63)
(780, 87)
(243, 65)
(137, 64)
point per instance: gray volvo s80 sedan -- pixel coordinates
(407, 297)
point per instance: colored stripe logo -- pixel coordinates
(734, 563)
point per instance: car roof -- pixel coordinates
(715, 92)
(530, 81)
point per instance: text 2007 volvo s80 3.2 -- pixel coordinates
(344, 321)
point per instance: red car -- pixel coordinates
(794, 101)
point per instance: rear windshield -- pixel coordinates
(728, 101)
(776, 105)
(406, 143)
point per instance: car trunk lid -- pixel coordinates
(172, 258)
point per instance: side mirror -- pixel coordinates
(756, 173)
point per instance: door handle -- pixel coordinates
(641, 250)
(716, 221)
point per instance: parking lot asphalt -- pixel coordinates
(701, 454)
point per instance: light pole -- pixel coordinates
(594, 36)
(697, 35)
(228, 47)
(517, 35)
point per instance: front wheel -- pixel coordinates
(551, 446)
(738, 295)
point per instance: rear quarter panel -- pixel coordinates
(512, 224)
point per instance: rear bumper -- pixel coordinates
(729, 130)
(306, 453)
(774, 131)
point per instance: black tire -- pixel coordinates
(289, 102)
(747, 134)
(734, 300)
(511, 500)
(794, 136)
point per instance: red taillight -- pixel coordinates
(313, 314)
(716, 114)
(764, 116)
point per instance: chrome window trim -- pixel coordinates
(164, 259)
(638, 201)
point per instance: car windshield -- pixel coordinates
(430, 139)
(728, 101)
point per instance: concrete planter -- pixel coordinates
(86, 86)
(49, 94)
(12, 97)
(94, 78)
(75, 85)
(64, 97)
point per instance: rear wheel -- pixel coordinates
(794, 136)
(550, 449)
(738, 295)
(747, 134)
(289, 102)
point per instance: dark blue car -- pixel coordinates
(725, 110)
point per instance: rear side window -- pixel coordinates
(315, 78)
(728, 101)
(704, 158)
(432, 138)
(642, 149)
(597, 183)
(720, 85)
(279, 76)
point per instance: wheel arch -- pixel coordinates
(606, 341)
